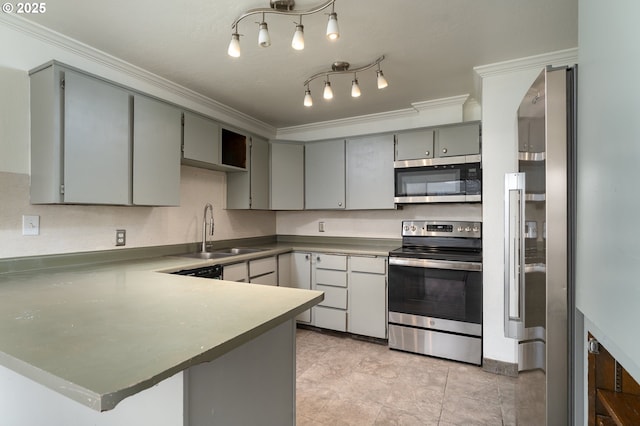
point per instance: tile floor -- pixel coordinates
(344, 381)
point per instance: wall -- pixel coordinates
(607, 284)
(503, 87)
(67, 229)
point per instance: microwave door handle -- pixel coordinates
(514, 251)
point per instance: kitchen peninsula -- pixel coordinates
(124, 343)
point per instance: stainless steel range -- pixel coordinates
(435, 290)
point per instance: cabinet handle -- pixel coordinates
(427, 153)
(318, 258)
(444, 150)
(306, 257)
(340, 203)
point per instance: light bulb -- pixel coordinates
(355, 89)
(263, 35)
(298, 38)
(308, 101)
(333, 33)
(328, 92)
(234, 46)
(382, 82)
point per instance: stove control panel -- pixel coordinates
(431, 228)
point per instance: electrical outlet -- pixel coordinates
(30, 225)
(320, 226)
(121, 237)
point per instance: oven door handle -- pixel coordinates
(514, 251)
(436, 264)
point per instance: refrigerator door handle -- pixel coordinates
(514, 250)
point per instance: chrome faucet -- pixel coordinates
(209, 207)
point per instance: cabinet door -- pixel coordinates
(201, 139)
(367, 304)
(156, 152)
(458, 140)
(287, 176)
(97, 141)
(325, 175)
(235, 272)
(301, 278)
(414, 144)
(259, 171)
(370, 173)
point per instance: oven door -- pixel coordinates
(426, 288)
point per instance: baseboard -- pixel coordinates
(500, 367)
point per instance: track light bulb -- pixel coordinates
(263, 35)
(333, 33)
(328, 92)
(298, 38)
(308, 100)
(355, 89)
(234, 46)
(382, 82)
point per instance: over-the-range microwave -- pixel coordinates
(439, 180)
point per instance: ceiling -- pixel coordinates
(431, 47)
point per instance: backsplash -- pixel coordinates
(78, 228)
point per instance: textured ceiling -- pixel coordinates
(431, 48)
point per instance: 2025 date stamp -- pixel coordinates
(24, 8)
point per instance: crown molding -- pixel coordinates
(557, 58)
(374, 120)
(85, 51)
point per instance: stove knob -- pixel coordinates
(406, 228)
(460, 229)
(413, 228)
(476, 229)
(468, 229)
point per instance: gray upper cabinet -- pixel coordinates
(250, 189)
(414, 144)
(201, 141)
(461, 139)
(92, 164)
(325, 175)
(287, 176)
(370, 172)
(83, 132)
(157, 133)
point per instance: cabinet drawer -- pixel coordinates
(267, 279)
(334, 297)
(333, 319)
(372, 265)
(262, 266)
(331, 261)
(330, 277)
(235, 272)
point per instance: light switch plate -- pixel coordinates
(30, 225)
(320, 226)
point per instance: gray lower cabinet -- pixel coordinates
(300, 277)
(250, 189)
(200, 141)
(368, 296)
(287, 176)
(325, 175)
(236, 272)
(264, 271)
(156, 152)
(330, 276)
(94, 142)
(370, 178)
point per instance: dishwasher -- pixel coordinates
(213, 272)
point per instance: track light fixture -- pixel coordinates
(343, 68)
(283, 7)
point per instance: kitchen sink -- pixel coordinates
(234, 251)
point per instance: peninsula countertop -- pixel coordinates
(99, 333)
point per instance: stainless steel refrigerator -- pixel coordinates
(539, 240)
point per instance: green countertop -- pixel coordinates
(99, 333)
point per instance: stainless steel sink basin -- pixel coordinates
(234, 251)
